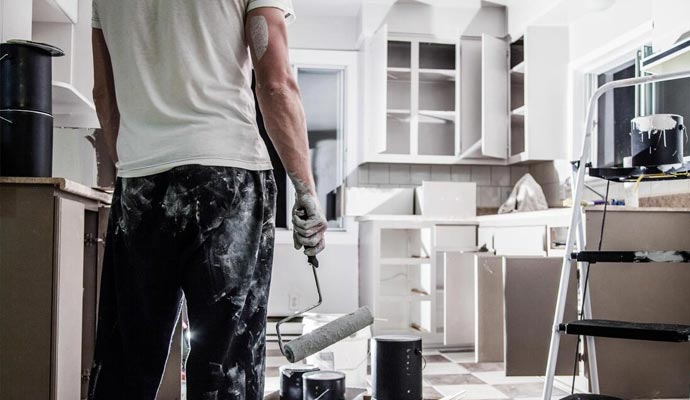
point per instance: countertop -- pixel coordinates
(552, 217)
(62, 184)
(419, 219)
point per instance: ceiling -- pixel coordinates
(351, 8)
(336, 8)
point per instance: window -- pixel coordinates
(616, 108)
(323, 99)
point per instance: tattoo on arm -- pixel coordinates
(258, 30)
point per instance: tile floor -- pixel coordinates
(450, 373)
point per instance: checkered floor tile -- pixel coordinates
(449, 374)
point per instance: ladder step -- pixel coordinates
(589, 397)
(673, 256)
(628, 330)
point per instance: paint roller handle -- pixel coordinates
(313, 261)
(302, 213)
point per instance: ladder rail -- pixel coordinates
(578, 187)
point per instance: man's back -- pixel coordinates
(182, 76)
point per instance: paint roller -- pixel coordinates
(302, 347)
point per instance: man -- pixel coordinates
(193, 208)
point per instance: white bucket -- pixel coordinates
(349, 356)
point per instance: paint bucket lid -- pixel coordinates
(324, 376)
(289, 369)
(397, 338)
(48, 48)
(656, 122)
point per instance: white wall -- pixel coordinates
(15, 19)
(421, 19)
(292, 283)
(670, 21)
(324, 32)
(489, 20)
(524, 12)
(597, 30)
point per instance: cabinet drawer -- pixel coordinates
(455, 237)
(520, 240)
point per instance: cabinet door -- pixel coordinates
(458, 299)
(494, 103)
(69, 285)
(375, 94)
(470, 98)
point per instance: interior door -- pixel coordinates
(376, 90)
(494, 81)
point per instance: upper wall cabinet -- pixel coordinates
(66, 11)
(538, 95)
(73, 74)
(484, 97)
(413, 109)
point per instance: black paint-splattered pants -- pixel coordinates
(204, 231)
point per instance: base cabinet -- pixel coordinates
(51, 252)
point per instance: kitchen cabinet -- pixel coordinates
(67, 25)
(418, 94)
(484, 98)
(63, 11)
(655, 292)
(52, 235)
(538, 95)
(402, 273)
(536, 233)
(51, 250)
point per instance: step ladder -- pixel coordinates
(588, 327)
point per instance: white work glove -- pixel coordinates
(308, 224)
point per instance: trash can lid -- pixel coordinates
(50, 49)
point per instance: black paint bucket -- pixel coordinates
(26, 76)
(396, 367)
(26, 144)
(657, 139)
(291, 380)
(324, 385)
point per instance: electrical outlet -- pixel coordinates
(293, 302)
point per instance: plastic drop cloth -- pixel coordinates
(526, 196)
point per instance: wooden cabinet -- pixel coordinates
(538, 95)
(404, 273)
(51, 250)
(50, 254)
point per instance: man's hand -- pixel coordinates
(308, 222)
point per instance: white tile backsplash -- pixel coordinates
(488, 196)
(460, 173)
(500, 176)
(517, 172)
(400, 174)
(440, 173)
(379, 173)
(498, 181)
(481, 175)
(419, 173)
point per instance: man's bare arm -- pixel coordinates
(281, 106)
(104, 92)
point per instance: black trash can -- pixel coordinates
(26, 106)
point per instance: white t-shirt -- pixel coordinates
(182, 75)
